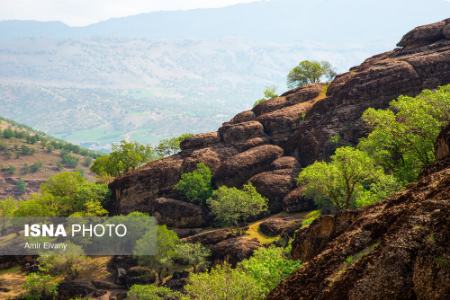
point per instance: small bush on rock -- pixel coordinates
(196, 186)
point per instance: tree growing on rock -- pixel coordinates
(196, 186)
(350, 175)
(310, 71)
(123, 158)
(403, 136)
(171, 146)
(232, 206)
(269, 93)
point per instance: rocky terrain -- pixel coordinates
(268, 144)
(397, 249)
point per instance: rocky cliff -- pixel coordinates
(268, 144)
(397, 249)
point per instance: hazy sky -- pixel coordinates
(84, 12)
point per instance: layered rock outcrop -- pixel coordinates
(397, 249)
(298, 125)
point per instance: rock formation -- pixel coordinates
(396, 249)
(267, 144)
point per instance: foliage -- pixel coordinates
(69, 160)
(123, 158)
(35, 167)
(21, 186)
(192, 254)
(162, 262)
(223, 283)
(87, 162)
(171, 146)
(232, 206)
(340, 182)
(10, 170)
(307, 72)
(269, 93)
(8, 207)
(70, 265)
(64, 194)
(151, 292)
(402, 137)
(196, 186)
(40, 286)
(269, 266)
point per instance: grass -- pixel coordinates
(310, 217)
(253, 232)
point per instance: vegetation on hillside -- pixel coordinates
(399, 146)
(269, 93)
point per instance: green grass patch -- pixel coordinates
(310, 217)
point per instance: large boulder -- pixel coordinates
(200, 141)
(236, 134)
(425, 34)
(296, 201)
(274, 185)
(176, 213)
(136, 191)
(234, 250)
(237, 169)
(279, 225)
(212, 237)
(211, 156)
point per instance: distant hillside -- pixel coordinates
(28, 157)
(156, 75)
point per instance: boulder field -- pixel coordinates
(269, 144)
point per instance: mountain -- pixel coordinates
(28, 157)
(155, 75)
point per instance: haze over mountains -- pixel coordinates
(160, 74)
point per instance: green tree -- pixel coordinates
(171, 146)
(269, 266)
(35, 167)
(232, 206)
(152, 292)
(269, 93)
(162, 262)
(223, 283)
(402, 137)
(123, 158)
(39, 286)
(192, 254)
(340, 182)
(196, 186)
(309, 72)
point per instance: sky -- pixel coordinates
(85, 12)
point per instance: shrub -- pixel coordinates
(10, 170)
(152, 292)
(69, 160)
(196, 186)
(39, 286)
(269, 93)
(21, 186)
(25, 150)
(223, 283)
(269, 266)
(69, 265)
(35, 167)
(232, 206)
